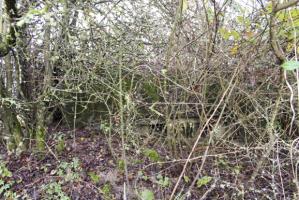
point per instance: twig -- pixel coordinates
(191, 159)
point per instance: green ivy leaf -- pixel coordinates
(290, 65)
(147, 195)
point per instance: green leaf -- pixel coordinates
(203, 181)
(186, 179)
(290, 65)
(147, 195)
(235, 34)
(269, 8)
(224, 33)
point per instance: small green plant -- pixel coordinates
(203, 181)
(142, 175)
(121, 165)
(106, 191)
(147, 195)
(4, 172)
(6, 184)
(152, 155)
(105, 127)
(53, 191)
(94, 177)
(163, 181)
(70, 171)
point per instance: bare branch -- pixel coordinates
(285, 5)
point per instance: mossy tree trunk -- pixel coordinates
(12, 126)
(8, 68)
(40, 130)
(9, 40)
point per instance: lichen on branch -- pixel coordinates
(9, 40)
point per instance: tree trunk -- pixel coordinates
(41, 130)
(12, 126)
(11, 123)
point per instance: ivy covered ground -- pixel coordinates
(88, 170)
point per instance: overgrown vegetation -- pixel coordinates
(147, 99)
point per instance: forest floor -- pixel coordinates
(88, 170)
